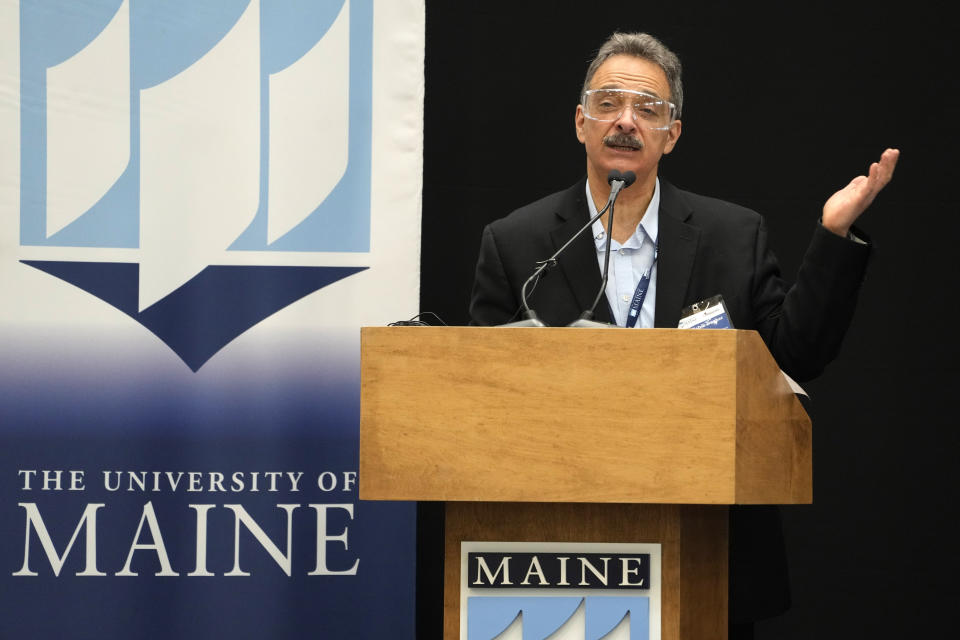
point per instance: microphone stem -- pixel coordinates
(587, 315)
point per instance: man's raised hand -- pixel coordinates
(846, 205)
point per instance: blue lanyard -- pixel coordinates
(640, 294)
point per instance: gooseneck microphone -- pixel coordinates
(617, 181)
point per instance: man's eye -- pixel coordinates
(652, 109)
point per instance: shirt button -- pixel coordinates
(625, 298)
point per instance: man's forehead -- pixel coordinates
(631, 72)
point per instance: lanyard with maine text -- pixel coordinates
(640, 294)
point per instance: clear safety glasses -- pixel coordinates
(648, 111)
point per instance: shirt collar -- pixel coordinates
(649, 224)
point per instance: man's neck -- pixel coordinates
(631, 204)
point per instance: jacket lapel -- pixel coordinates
(677, 251)
(578, 263)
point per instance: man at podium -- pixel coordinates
(670, 249)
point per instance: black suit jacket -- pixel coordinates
(706, 247)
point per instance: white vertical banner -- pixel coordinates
(201, 203)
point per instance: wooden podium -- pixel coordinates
(585, 435)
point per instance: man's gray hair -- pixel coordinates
(641, 45)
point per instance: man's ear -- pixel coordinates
(673, 134)
(578, 119)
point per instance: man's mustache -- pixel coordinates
(623, 140)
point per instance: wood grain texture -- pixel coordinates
(550, 415)
(693, 552)
(774, 458)
(703, 569)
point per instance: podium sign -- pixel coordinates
(593, 590)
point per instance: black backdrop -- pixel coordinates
(783, 106)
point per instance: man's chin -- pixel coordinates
(609, 159)
(622, 159)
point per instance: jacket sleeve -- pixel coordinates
(804, 326)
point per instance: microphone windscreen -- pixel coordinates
(628, 177)
(615, 175)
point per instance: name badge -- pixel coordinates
(706, 314)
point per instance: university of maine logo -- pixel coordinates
(197, 165)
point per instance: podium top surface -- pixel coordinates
(578, 415)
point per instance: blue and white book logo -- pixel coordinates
(197, 165)
(557, 618)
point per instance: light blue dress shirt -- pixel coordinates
(629, 261)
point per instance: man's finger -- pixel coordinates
(888, 162)
(881, 172)
(874, 178)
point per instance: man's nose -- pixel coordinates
(627, 120)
